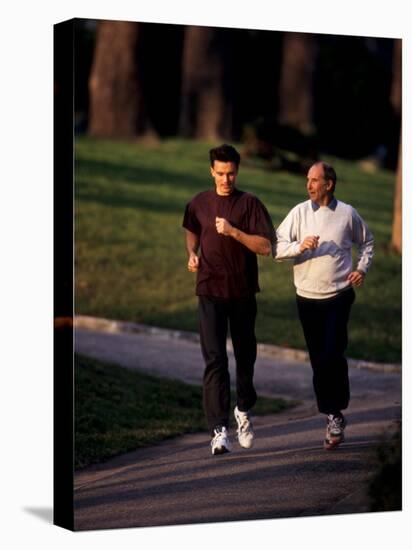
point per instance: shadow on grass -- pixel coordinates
(139, 175)
(163, 200)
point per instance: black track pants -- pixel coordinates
(324, 324)
(215, 316)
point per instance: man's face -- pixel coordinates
(224, 174)
(319, 190)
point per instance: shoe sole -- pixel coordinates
(330, 444)
(249, 446)
(220, 451)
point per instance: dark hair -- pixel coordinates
(224, 153)
(329, 173)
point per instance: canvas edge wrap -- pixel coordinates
(63, 383)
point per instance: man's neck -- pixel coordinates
(326, 201)
(225, 194)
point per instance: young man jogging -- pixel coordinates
(225, 229)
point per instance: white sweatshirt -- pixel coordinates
(323, 272)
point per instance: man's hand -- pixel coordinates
(193, 263)
(356, 278)
(223, 226)
(309, 243)
(255, 243)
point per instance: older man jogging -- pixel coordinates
(318, 235)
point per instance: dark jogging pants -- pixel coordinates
(325, 326)
(215, 316)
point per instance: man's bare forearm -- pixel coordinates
(192, 247)
(255, 243)
(192, 242)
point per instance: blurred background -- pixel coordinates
(312, 93)
(151, 99)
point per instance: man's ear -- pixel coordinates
(212, 171)
(329, 185)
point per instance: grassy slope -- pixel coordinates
(130, 257)
(118, 410)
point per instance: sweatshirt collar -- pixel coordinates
(332, 205)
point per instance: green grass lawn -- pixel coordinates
(118, 410)
(130, 257)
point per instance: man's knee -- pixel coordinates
(215, 362)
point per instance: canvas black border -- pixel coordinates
(63, 380)
(63, 248)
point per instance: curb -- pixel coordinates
(267, 350)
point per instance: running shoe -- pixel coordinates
(220, 442)
(245, 433)
(335, 426)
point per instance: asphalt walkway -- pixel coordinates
(285, 474)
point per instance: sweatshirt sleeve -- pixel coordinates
(287, 243)
(364, 240)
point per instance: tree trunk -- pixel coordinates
(116, 102)
(397, 207)
(296, 82)
(203, 105)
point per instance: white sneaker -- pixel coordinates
(220, 443)
(245, 433)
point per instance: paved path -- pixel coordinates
(285, 474)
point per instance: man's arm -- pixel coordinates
(363, 238)
(255, 243)
(356, 278)
(288, 245)
(192, 247)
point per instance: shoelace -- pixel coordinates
(218, 434)
(245, 425)
(335, 422)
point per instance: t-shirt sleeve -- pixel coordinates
(260, 222)
(190, 221)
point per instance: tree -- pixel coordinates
(397, 207)
(396, 100)
(204, 114)
(296, 82)
(116, 98)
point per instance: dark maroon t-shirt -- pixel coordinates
(227, 268)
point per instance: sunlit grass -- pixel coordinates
(131, 260)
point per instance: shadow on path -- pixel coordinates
(287, 473)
